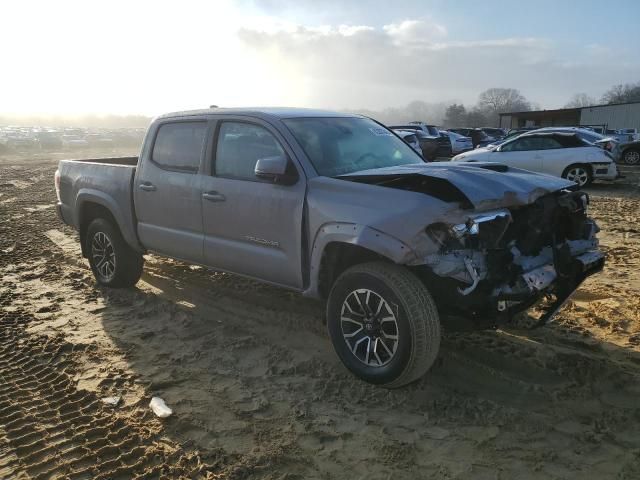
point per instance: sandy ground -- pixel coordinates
(257, 391)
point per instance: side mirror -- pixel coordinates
(276, 169)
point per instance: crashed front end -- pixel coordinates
(501, 262)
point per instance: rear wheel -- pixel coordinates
(581, 174)
(383, 323)
(631, 157)
(113, 262)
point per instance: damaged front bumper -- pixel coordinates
(501, 263)
(559, 282)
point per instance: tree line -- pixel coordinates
(621, 93)
(486, 112)
(492, 102)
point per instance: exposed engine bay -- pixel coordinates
(501, 262)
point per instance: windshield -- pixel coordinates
(337, 146)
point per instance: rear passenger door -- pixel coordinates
(555, 157)
(167, 190)
(252, 226)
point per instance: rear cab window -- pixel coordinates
(179, 145)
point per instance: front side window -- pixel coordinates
(521, 144)
(179, 145)
(240, 146)
(339, 146)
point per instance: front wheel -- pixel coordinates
(580, 174)
(113, 262)
(383, 324)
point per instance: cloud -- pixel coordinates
(414, 32)
(351, 66)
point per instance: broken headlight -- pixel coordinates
(483, 230)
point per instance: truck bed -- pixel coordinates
(106, 182)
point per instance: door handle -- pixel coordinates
(147, 187)
(214, 196)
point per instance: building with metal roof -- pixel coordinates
(611, 116)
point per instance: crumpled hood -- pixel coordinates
(479, 185)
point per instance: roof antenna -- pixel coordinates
(213, 106)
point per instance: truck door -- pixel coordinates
(252, 226)
(167, 191)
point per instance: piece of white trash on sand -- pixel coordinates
(113, 401)
(160, 408)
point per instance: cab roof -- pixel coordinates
(261, 112)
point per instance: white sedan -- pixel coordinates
(559, 154)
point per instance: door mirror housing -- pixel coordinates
(276, 169)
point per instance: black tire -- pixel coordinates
(417, 324)
(631, 156)
(579, 173)
(127, 263)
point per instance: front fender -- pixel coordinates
(354, 234)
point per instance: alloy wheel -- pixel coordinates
(578, 175)
(369, 327)
(103, 255)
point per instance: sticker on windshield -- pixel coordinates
(380, 132)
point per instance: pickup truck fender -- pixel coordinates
(125, 222)
(354, 234)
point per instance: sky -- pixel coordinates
(149, 57)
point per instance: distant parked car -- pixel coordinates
(495, 133)
(623, 135)
(74, 141)
(563, 155)
(478, 137)
(632, 133)
(444, 144)
(99, 140)
(432, 130)
(459, 143)
(49, 140)
(410, 139)
(429, 144)
(18, 141)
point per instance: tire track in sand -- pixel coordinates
(53, 430)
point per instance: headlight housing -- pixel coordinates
(479, 231)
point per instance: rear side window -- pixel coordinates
(240, 146)
(548, 143)
(521, 144)
(572, 141)
(179, 145)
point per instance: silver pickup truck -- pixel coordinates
(336, 206)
